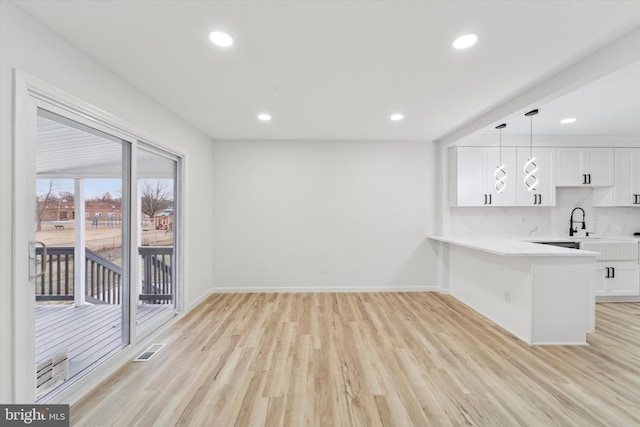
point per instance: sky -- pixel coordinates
(93, 188)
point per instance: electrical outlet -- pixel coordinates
(323, 268)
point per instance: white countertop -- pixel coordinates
(513, 246)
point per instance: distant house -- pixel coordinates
(164, 220)
(58, 209)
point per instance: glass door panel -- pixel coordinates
(81, 313)
(157, 212)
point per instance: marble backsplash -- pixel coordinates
(548, 221)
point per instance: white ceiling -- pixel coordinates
(338, 69)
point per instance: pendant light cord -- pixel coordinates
(500, 145)
(530, 114)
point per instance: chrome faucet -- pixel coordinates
(571, 221)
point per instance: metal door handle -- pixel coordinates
(34, 259)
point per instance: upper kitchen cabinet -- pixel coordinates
(626, 189)
(544, 193)
(472, 180)
(584, 167)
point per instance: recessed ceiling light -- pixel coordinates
(396, 117)
(221, 39)
(264, 117)
(568, 120)
(465, 41)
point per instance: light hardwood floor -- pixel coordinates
(369, 359)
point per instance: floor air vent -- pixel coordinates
(51, 372)
(149, 353)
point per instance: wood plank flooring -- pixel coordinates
(370, 359)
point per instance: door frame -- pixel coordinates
(29, 94)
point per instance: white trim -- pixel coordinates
(617, 299)
(23, 320)
(322, 289)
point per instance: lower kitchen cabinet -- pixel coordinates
(617, 279)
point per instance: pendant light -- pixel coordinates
(500, 174)
(531, 167)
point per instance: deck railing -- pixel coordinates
(157, 274)
(103, 278)
(57, 283)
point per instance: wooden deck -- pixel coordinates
(91, 333)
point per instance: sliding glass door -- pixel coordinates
(97, 238)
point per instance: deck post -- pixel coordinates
(79, 256)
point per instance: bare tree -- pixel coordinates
(66, 196)
(155, 196)
(42, 200)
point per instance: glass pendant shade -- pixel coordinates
(530, 179)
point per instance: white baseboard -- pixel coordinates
(618, 299)
(321, 289)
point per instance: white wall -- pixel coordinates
(31, 48)
(283, 208)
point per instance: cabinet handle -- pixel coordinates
(608, 273)
(535, 199)
(485, 199)
(489, 198)
(589, 178)
(584, 178)
(539, 199)
(613, 272)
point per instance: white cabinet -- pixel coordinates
(617, 279)
(472, 181)
(584, 167)
(544, 193)
(626, 185)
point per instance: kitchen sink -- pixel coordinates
(563, 244)
(608, 249)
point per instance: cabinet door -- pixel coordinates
(636, 172)
(493, 159)
(470, 171)
(597, 163)
(545, 192)
(625, 179)
(601, 281)
(568, 170)
(624, 280)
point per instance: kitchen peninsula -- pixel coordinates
(540, 293)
